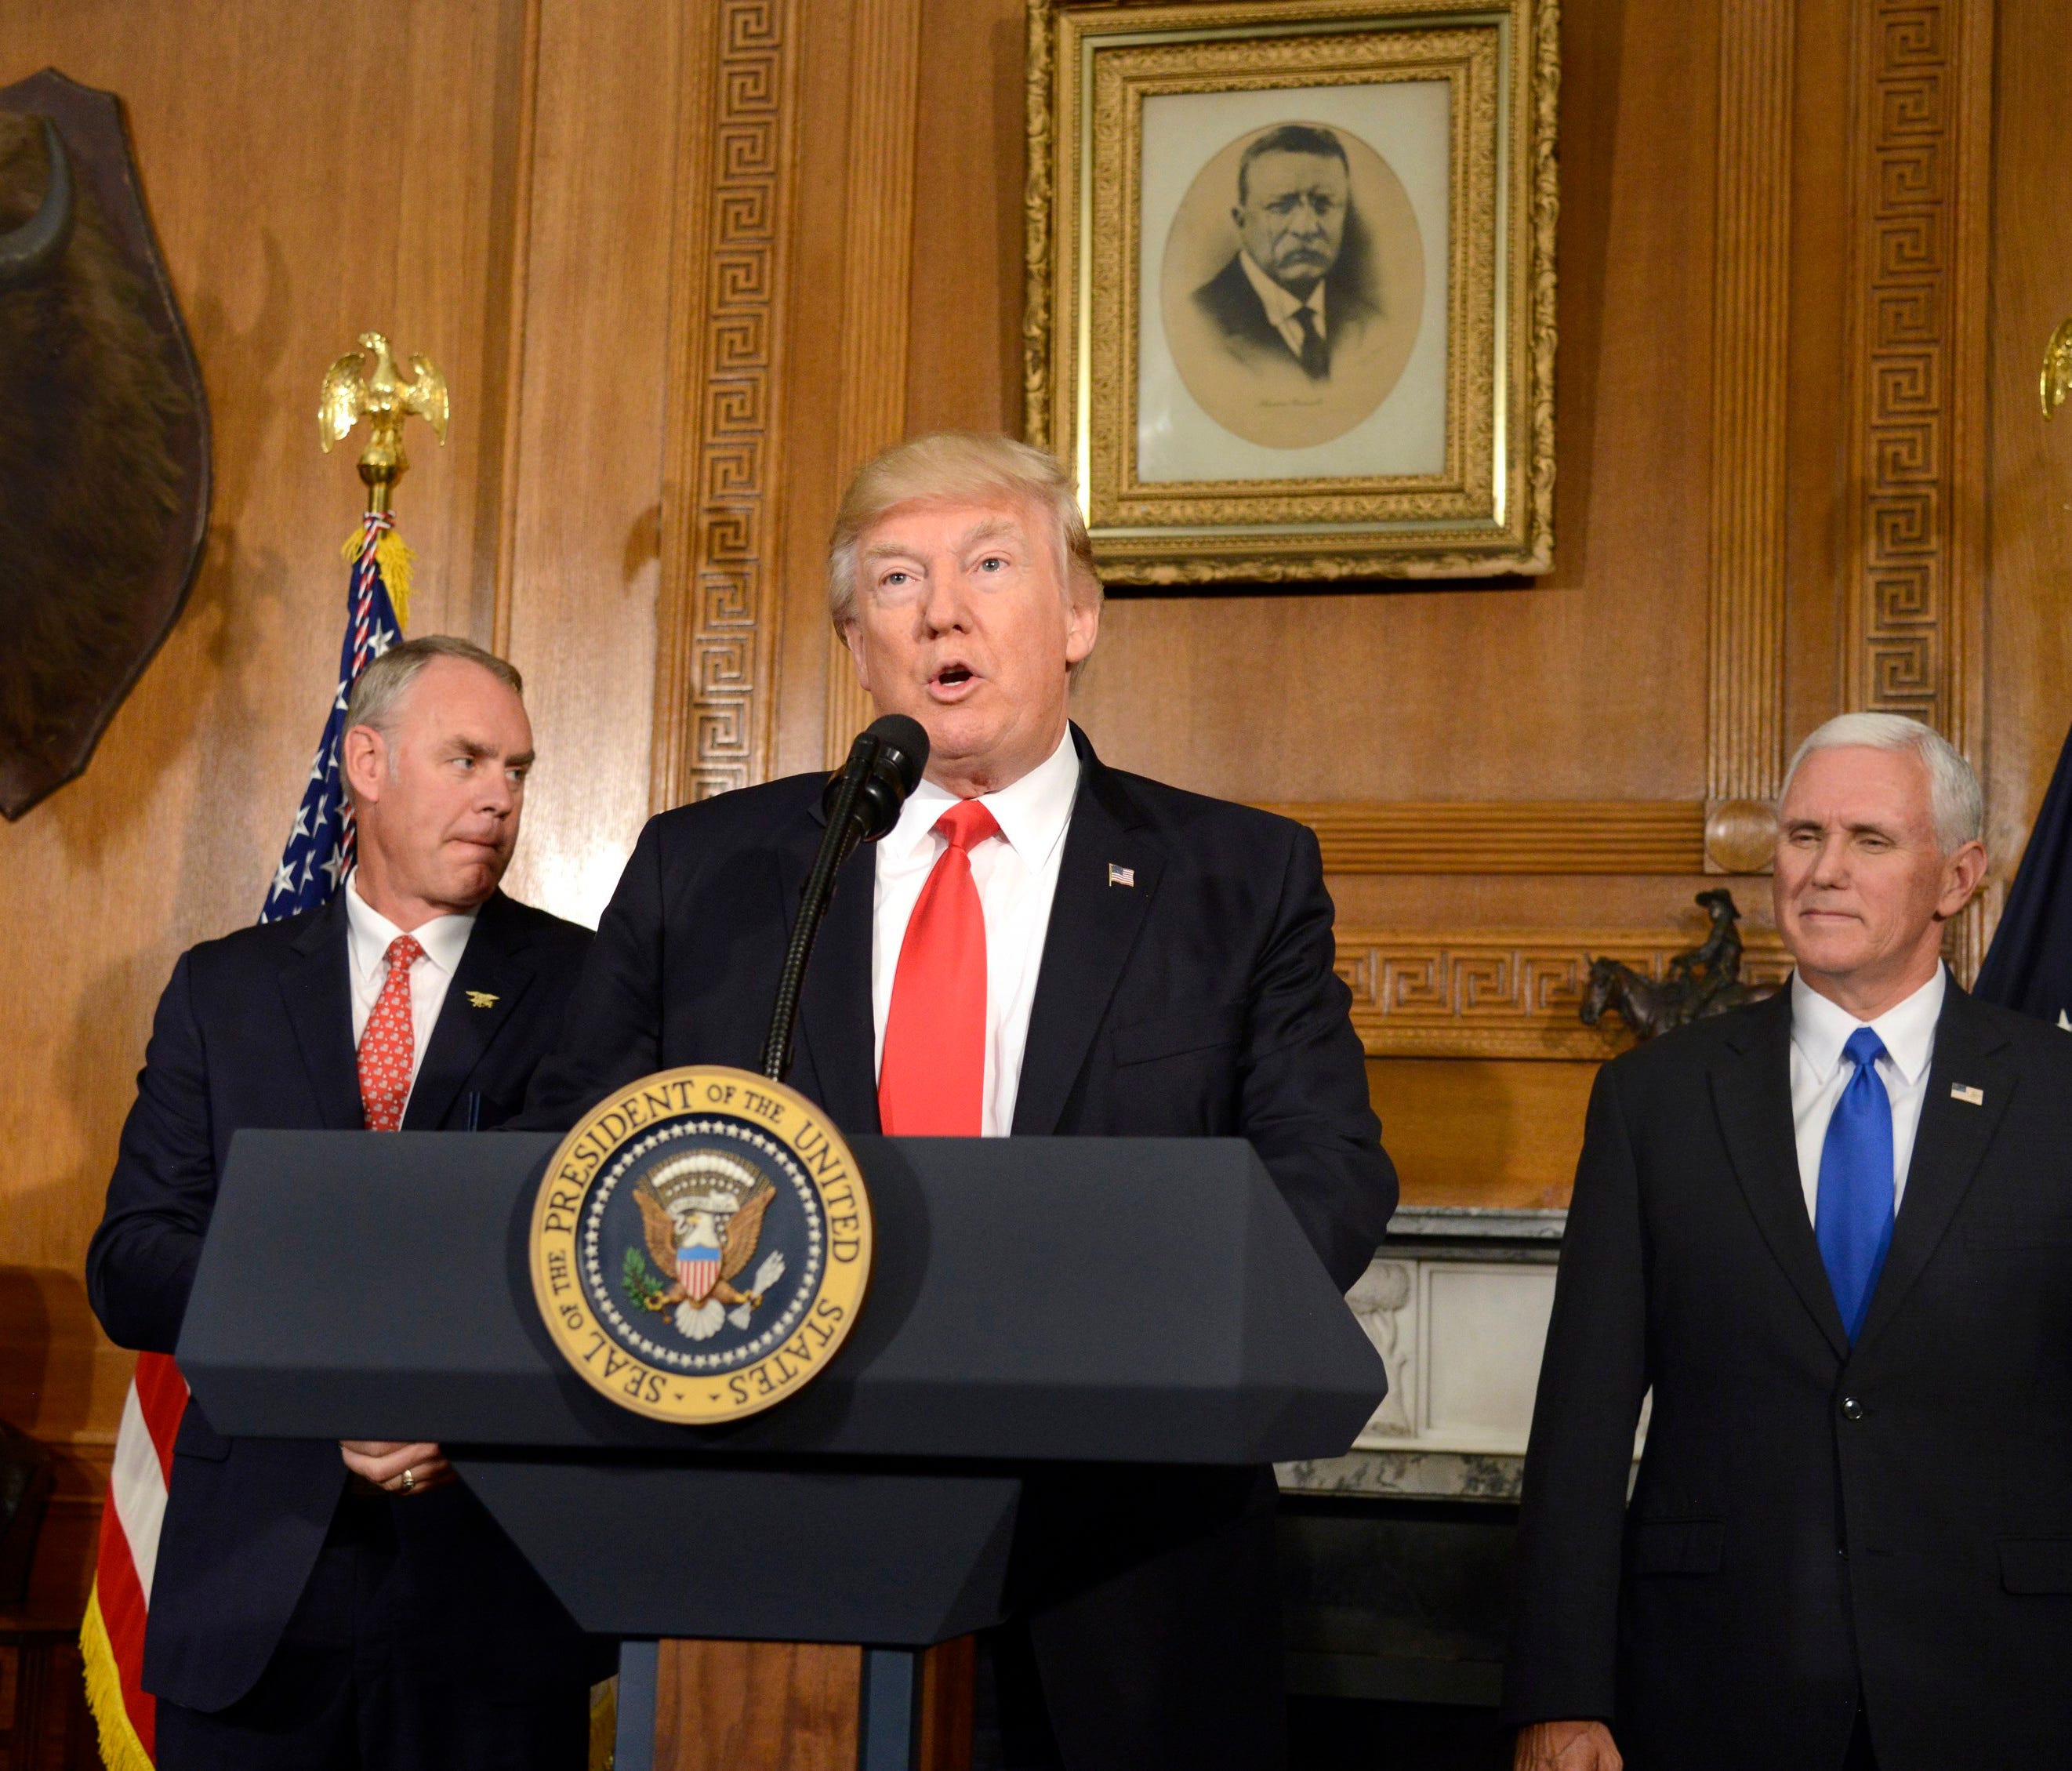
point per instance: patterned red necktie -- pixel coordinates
(390, 1042)
(931, 1083)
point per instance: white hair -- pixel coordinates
(1956, 805)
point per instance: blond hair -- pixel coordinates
(957, 466)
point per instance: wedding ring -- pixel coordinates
(409, 1480)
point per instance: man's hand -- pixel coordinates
(398, 1468)
(1566, 1746)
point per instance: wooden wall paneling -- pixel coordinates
(2028, 674)
(814, 346)
(870, 401)
(1818, 424)
(964, 339)
(1922, 140)
(501, 396)
(589, 422)
(1752, 259)
(1527, 837)
(1486, 1132)
(717, 625)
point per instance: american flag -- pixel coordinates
(320, 846)
(318, 855)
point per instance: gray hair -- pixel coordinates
(378, 690)
(1956, 804)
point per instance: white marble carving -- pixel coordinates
(1461, 1341)
(1383, 1298)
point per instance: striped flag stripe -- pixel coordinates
(163, 1393)
(136, 1491)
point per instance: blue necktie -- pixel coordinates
(1852, 1213)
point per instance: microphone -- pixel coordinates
(862, 800)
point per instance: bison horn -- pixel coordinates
(31, 249)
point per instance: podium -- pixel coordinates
(1035, 1302)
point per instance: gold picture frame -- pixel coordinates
(1403, 426)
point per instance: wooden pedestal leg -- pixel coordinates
(746, 1706)
(947, 1670)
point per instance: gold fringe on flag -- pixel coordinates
(395, 560)
(121, 1750)
(603, 1724)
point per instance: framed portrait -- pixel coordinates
(1290, 306)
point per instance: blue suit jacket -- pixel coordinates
(256, 1030)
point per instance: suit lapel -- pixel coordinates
(1948, 1146)
(492, 965)
(317, 990)
(836, 1041)
(1751, 1085)
(1093, 926)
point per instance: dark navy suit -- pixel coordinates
(1230, 301)
(1815, 1522)
(256, 1030)
(1197, 1001)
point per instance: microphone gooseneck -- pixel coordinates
(862, 801)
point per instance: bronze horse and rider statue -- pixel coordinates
(1704, 981)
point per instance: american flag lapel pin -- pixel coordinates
(1969, 1096)
(1121, 875)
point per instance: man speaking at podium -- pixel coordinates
(315, 1605)
(1041, 946)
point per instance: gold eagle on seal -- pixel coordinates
(702, 1219)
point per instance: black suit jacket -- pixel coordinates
(1230, 301)
(256, 1030)
(1199, 1001)
(1811, 1520)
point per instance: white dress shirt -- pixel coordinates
(1819, 1029)
(1281, 307)
(1017, 876)
(367, 934)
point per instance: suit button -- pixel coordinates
(1852, 1409)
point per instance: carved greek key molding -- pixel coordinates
(1526, 836)
(1751, 293)
(1507, 993)
(716, 622)
(1914, 613)
(1917, 366)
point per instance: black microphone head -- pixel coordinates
(903, 743)
(890, 755)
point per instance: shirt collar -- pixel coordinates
(1032, 812)
(1282, 305)
(1820, 1028)
(368, 933)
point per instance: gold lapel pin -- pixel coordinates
(1969, 1096)
(481, 999)
(1121, 875)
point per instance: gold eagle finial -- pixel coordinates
(352, 391)
(2058, 368)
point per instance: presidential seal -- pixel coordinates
(700, 1244)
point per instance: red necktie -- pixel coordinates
(390, 1042)
(932, 1082)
